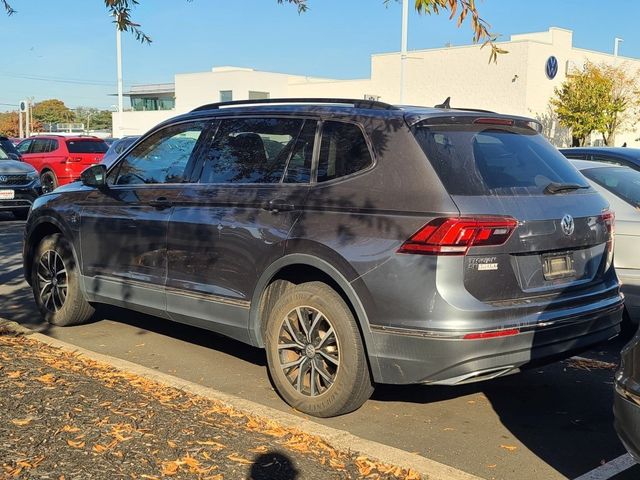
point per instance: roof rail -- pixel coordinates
(366, 104)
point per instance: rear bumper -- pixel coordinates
(630, 286)
(627, 422)
(414, 356)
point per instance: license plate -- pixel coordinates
(558, 266)
(7, 194)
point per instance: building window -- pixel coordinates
(226, 95)
(152, 103)
(258, 95)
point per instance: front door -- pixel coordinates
(228, 229)
(124, 227)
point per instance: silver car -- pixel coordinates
(620, 185)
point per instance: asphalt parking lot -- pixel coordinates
(547, 423)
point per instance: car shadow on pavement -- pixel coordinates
(561, 412)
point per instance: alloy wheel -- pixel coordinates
(308, 351)
(52, 281)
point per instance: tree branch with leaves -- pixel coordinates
(460, 10)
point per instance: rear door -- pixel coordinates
(507, 169)
(225, 231)
(86, 151)
(37, 152)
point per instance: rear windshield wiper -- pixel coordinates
(554, 187)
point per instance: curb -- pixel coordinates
(339, 439)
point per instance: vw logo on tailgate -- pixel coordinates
(567, 224)
(3, 179)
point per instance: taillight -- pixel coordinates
(72, 159)
(454, 236)
(609, 219)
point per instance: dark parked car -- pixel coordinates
(118, 146)
(9, 148)
(19, 186)
(357, 242)
(626, 404)
(628, 157)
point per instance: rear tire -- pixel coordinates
(20, 214)
(315, 353)
(49, 181)
(55, 282)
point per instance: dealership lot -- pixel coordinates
(552, 423)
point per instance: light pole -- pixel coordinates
(120, 93)
(616, 46)
(403, 50)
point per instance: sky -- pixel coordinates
(66, 48)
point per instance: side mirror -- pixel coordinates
(94, 176)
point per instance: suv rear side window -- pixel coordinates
(494, 160)
(87, 146)
(343, 151)
(251, 150)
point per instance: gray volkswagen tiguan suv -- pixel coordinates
(356, 241)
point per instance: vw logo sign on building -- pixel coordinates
(567, 225)
(551, 68)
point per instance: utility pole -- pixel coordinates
(616, 46)
(120, 93)
(403, 50)
(27, 119)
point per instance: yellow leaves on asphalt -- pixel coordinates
(260, 449)
(47, 378)
(186, 463)
(98, 448)
(76, 443)
(22, 465)
(14, 375)
(70, 429)
(215, 446)
(172, 444)
(511, 448)
(235, 457)
(21, 422)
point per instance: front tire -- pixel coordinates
(315, 353)
(55, 281)
(49, 181)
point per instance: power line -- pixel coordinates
(43, 78)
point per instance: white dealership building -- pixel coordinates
(521, 83)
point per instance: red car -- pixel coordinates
(60, 160)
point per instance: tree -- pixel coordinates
(52, 111)
(622, 103)
(581, 102)
(599, 98)
(9, 124)
(458, 9)
(93, 118)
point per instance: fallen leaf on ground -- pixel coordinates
(170, 468)
(260, 449)
(21, 422)
(70, 429)
(15, 374)
(47, 378)
(239, 459)
(511, 448)
(79, 444)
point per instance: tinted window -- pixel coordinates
(491, 160)
(40, 145)
(87, 146)
(343, 151)
(622, 182)
(613, 160)
(161, 158)
(299, 166)
(3, 155)
(53, 145)
(23, 147)
(253, 150)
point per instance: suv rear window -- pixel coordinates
(493, 160)
(87, 146)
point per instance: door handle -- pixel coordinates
(161, 203)
(278, 205)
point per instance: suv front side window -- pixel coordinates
(24, 146)
(161, 158)
(251, 150)
(343, 151)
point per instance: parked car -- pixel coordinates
(117, 147)
(628, 157)
(19, 186)
(60, 159)
(620, 186)
(355, 241)
(626, 402)
(9, 148)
